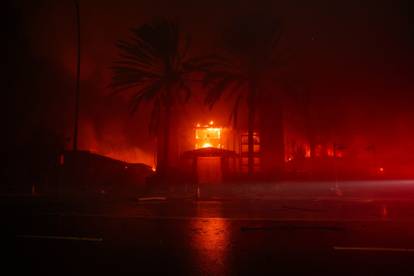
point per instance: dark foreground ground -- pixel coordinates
(362, 229)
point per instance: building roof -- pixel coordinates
(209, 152)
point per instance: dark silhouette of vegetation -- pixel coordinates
(249, 59)
(154, 65)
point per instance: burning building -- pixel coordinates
(209, 136)
(214, 157)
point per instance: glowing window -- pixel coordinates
(208, 136)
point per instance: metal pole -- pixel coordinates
(75, 130)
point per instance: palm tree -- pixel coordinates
(249, 61)
(155, 67)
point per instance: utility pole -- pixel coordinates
(75, 129)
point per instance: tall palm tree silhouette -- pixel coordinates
(155, 67)
(248, 60)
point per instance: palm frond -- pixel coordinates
(209, 63)
(217, 89)
(163, 37)
(186, 91)
(183, 53)
(235, 111)
(147, 93)
(155, 117)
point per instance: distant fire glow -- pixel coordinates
(307, 151)
(208, 136)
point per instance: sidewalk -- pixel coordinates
(386, 189)
(345, 190)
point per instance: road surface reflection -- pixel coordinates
(210, 240)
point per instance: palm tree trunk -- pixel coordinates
(164, 162)
(250, 129)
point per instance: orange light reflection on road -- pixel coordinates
(210, 239)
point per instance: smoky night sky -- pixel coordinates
(353, 58)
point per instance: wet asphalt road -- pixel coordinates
(289, 236)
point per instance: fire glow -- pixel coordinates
(208, 136)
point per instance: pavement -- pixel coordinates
(365, 228)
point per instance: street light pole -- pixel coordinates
(75, 130)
